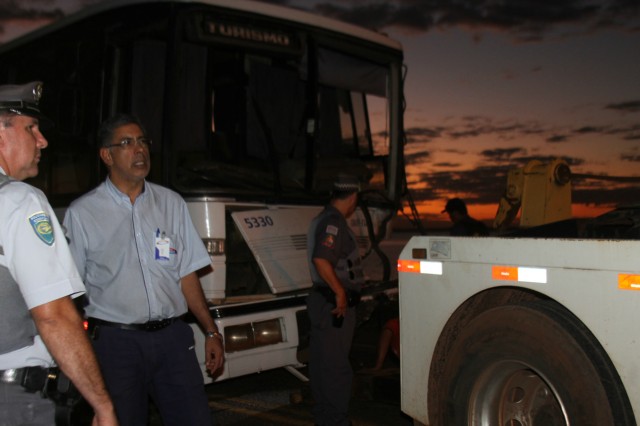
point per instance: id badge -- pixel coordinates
(163, 246)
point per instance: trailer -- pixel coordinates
(532, 327)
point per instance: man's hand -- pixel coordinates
(214, 354)
(192, 290)
(341, 303)
(328, 275)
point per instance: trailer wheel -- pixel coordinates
(526, 365)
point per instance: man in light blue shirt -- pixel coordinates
(138, 252)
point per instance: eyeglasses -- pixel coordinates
(131, 142)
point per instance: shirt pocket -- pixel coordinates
(168, 251)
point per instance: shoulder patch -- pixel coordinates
(329, 241)
(331, 229)
(41, 224)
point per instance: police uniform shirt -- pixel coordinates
(35, 252)
(333, 240)
(132, 257)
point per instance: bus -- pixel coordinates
(253, 110)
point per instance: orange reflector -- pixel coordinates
(504, 273)
(409, 266)
(628, 282)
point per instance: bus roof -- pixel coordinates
(249, 6)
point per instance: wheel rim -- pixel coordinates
(510, 393)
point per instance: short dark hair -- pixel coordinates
(109, 126)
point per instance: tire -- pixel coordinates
(527, 365)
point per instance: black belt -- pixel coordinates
(146, 326)
(353, 296)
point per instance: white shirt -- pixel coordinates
(38, 260)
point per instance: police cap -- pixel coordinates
(23, 100)
(346, 183)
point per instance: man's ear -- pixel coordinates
(105, 156)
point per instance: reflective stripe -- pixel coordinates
(420, 266)
(519, 273)
(498, 273)
(629, 281)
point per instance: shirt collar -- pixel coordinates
(121, 196)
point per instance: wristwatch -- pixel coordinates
(213, 334)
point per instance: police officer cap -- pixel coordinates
(23, 100)
(346, 183)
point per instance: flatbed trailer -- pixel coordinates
(522, 330)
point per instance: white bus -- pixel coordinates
(253, 110)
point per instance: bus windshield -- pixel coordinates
(238, 104)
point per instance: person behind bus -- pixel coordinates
(336, 272)
(38, 321)
(463, 224)
(138, 252)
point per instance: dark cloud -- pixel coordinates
(525, 21)
(631, 106)
(557, 138)
(502, 154)
(448, 165)
(589, 129)
(424, 133)
(477, 126)
(416, 158)
(604, 196)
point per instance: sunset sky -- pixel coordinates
(490, 85)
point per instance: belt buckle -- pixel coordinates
(10, 376)
(156, 325)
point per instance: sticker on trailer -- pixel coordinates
(440, 249)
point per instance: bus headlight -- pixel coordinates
(215, 246)
(242, 337)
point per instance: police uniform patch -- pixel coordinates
(332, 229)
(329, 241)
(41, 224)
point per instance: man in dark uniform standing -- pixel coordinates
(336, 271)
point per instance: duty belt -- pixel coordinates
(145, 326)
(33, 379)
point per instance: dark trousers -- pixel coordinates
(330, 372)
(159, 364)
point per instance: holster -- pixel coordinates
(353, 296)
(60, 389)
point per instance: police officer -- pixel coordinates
(38, 320)
(336, 272)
